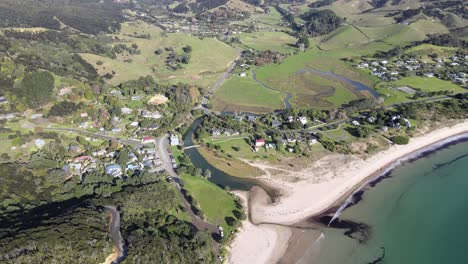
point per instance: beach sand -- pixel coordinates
(311, 191)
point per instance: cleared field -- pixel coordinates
(416, 31)
(347, 36)
(275, 41)
(429, 84)
(209, 57)
(244, 94)
(139, 28)
(215, 203)
(394, 96)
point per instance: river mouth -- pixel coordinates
(219, 177)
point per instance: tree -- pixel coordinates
(36, 88)
(303, 40)
(400, 140)
(187, 49)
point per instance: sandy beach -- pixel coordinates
(312, 190)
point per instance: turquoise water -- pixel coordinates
(417, 215)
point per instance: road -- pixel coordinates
(162, 145)
(114, 230)
(224, 76)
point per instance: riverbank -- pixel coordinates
(327, 182)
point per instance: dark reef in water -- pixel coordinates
(380, 259)
(354, 230)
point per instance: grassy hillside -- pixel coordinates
(209, 57)
(275, 41)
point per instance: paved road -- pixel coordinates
(224, 76)
(114, 231)
(162, 145)
(97, 135)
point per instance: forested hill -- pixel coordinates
(87, 16)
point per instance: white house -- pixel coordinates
(303, 120)
(174, 139)
(114, 170)
(242, 74)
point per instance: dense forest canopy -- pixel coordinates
(320, 22)
(89, 17)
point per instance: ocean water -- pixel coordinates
(418, 215)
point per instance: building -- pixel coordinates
(134, 124)
(215, 132)
(126, 110)
(242, 74)
(303, 120)
(259, 142)
(147, 140)
(3, 100)
(152, 115)
(114, 170)
(174, 140)
(136, 98)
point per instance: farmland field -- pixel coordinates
(209, 57)
(275, 41)
(244, 94)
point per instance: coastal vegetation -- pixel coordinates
(90, 91)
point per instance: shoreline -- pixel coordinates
(308, 197)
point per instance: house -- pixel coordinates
(82, 159)
(64, 91)
(36, 116)
(291, 139)
(114, 170)
(84, 125)
(152, 127)
(290, 119)
(238, 118)
(276, 123)
(134, 124)
(303, 120)
(147, 140)
(116, 92)
(3, 100)
(133, 166)
(126, 111)
(39, 143)
(312, 141)
(215, 132)
(384, 62)
(371, 119)
(270, 146)
(251, 118)
(152, 115)
(99, 153)
(136, 98)
(116, 129)
(355, 123)
(242, 74)
(174, 140)
(407, 122)
(259, 142)
(84, 114)
(429, 74)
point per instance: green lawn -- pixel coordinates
(429, 84)
(275, 41)
(215, 202)
(393, 96)
(244, 94)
